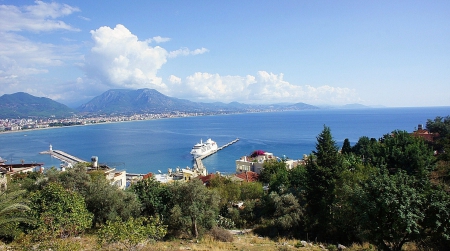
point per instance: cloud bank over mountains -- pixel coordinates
(117, 58)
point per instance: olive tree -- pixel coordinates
(195, 207)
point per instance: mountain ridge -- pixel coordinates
(21, 104)
(152, 101)
(127, 101)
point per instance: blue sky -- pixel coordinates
(391, 53)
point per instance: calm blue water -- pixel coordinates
(148, 146)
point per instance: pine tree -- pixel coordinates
(326, 149)
(323, 169)
(346, 148)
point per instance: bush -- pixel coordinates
(220, 234)
(132, 232)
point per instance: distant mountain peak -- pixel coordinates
(22, 104)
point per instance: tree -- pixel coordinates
(59, 212)
(346, 148)
(366, 149)
(401, 151)
(353, 175)
(287, 212)
(326, 149)
(441, 128)
(436, 224)
(298, 177)
(397, 151)
(105, 201)
(76, 179)
(276, 175)
(389, 210)
(195, 207)
(30, 181)
(228, 190)
(251, 191)
(323, 171)
(154, 197)
(108, 202)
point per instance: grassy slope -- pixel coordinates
(248, 242)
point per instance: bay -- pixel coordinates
(152, 145)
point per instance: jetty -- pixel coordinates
(63, 156)
(198, 161)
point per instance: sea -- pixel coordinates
(156, 145)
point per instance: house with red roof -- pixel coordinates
(248, 176)
(424, 134)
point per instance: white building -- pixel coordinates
(256, 164)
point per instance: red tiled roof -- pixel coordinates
(424, 134)
(248, 176)
(207, 178)
(148, 175)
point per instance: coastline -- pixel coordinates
(168, 116)
(132, 120)
(90, 124)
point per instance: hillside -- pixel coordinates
(23, 105)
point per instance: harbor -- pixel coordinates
(178, 173)
(198, 161)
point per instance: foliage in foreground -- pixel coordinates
(131, 233)
(13, 210)
(58, 212)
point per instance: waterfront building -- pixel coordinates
(255, 162)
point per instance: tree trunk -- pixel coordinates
(194, 227)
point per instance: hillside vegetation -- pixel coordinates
(389, 193)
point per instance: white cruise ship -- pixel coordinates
(203, 148)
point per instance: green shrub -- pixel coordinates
(132, 232)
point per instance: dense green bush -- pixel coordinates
(132, 232)
(58, 212)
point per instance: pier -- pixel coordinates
(63, 156)
(198, 161)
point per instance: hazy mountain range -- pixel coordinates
(152, 101)
(123, 101)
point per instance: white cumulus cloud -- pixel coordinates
(264, 87)
(119, 59)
